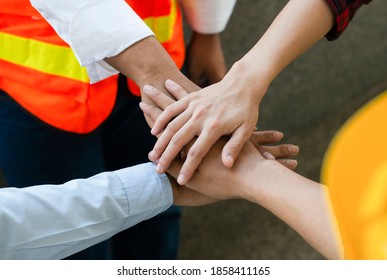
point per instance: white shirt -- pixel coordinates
(96, 29)
(56, 221)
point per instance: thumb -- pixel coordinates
(234, 146)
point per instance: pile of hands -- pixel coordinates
(211, 179)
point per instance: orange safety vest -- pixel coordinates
(40, 71)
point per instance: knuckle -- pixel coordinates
(158, 153)
(164, 162)
(172, 127)
(245, 134)
(234, 147)
(156, 93)
(284, 149)
(195, 153)
(168, 156)
(213, 125)
(200, 113)
(269, 136)
(175, 144)
(169, 110)
(158, 150)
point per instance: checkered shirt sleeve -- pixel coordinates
(343, 11)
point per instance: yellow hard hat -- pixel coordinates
(355, 171)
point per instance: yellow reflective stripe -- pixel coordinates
(163, 26)
(40, 56)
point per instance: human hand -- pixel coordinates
(283, 153)
(262, 140)
(147, 62)
(183, 196)
(213, 179)
(205, 60)
(209, 114)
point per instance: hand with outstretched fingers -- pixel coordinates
(207, 114)
(260, 139)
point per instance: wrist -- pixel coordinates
(142, 60)
(243, 76)
(254, 182)
(158, 80)
(174, 187)
(207, 38)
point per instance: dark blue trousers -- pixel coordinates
(33, 153)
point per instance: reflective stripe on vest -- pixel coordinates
(47, 58)
(165, 20)
(42, 74)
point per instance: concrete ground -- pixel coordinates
(309, 101)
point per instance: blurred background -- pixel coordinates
(309, 102)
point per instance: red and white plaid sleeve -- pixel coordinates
(343, 11)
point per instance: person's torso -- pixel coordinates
(40, 72)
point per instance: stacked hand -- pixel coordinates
(212, 181)
(301, 203)
(206, 114)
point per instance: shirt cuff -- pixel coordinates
(343, 12)
(147, 192)
(208, 17)
(96, 34)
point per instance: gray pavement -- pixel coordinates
(309, 101)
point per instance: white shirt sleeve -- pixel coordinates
(94, 29)
(207, 16)
(55, 221)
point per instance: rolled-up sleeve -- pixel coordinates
(94, 29)
(343, 11)
(207, 16)
(55, 221)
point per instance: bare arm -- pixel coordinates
(300, 25)
(146, 62)
(301, 203)
(205, 59)
(231, 106)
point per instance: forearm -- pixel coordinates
(343, 12)
(301, 203)
(55, 221)
(299, 26)
(147, 62)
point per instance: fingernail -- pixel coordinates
(151, 155)
(278, 135)
(293, 149)
(181, 179)
(230, 158)
(158, 169)
(268, 155)
(169, 83)
(292, 163)
(153, 131)
(147, 89)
